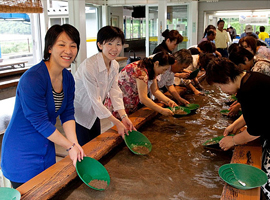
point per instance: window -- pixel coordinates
(16, 37)
(134, 28)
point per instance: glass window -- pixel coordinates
(177, 19)
(136, 28)
(16, 38)
(91, 22)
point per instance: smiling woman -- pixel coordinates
(95, 78)
(44, 92)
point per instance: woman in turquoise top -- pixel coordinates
(44, 92)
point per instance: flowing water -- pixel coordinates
(177, 168)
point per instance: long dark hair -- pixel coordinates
(109, 33)
(239, 55)
(162, 57)
(54, 32)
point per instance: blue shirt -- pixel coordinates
(244, 35)
(26, 151)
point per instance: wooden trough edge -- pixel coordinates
(46, 184)
(250, 154)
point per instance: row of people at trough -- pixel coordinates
(48, 90)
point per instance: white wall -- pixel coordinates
(117, 11)
(227, 5)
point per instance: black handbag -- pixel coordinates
(133, 58)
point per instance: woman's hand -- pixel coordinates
(183, 101)
(231, 129)
(234, 109)
(226, 143)
(76, 153)
(121, 128)
(166, 112)
(183, 75)
(128, 124)
(171, 103)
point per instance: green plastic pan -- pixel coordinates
(138, 143)
(192, 106)
(242, 176)
(213, 143)
(93, 173)
(193, 74)
(185, 110)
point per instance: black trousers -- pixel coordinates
(84, 134)
(15, 184)
(223, 52)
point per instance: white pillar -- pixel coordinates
(77, 19)
(147, 37)
(105, 15)
(162, 18)
(192, 23)
(44, 24)
(36, 37)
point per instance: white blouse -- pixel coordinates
(93, 83)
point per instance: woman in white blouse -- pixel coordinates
(95, 78)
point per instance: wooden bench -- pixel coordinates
(250, 154)
(46, 184)
(13, 64)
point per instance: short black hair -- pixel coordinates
(221, 20)
(221, 70)
(109, 33)
(262, 28)
(204, 59)
(238, 55)
(54, 32)
(183, 56)
(210, 32)
(207, 47)
(194, 51)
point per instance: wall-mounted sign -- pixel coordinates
(180, 27)
(253, 19)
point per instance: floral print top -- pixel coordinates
(127, 83)
(262, 66)
(263, 52)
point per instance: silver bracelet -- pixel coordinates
(123, 116)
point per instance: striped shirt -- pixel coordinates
(58, 99)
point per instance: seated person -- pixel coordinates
(134, 81)
(183, 59)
